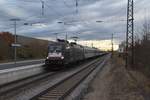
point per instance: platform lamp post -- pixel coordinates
(15, 45)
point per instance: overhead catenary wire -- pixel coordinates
(76, 4)
(45, 4)
(33, 16)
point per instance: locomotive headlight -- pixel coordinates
(62, 57)
(67, 47)
(47, 57)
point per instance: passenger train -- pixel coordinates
(63, 53)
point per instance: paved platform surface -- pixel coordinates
(20, 63)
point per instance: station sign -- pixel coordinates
(15, 45)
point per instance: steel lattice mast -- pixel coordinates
(130, 33)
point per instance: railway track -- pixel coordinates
(60, 90)
(23, 82)
(58, 84)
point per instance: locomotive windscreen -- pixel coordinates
(55, 48)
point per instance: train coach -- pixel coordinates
(63, 53)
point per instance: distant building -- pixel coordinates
(121, 49)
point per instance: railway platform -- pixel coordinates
(10, 65)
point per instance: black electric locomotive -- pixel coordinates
(62, 53)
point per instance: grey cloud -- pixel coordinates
(83, 22)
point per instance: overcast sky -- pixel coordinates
(78, 21)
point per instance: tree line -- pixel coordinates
(30, 48)
(141, 49)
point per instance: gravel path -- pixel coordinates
(113, 83)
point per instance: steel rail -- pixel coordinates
(20, 83)
(60, 90)
(8, 90)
